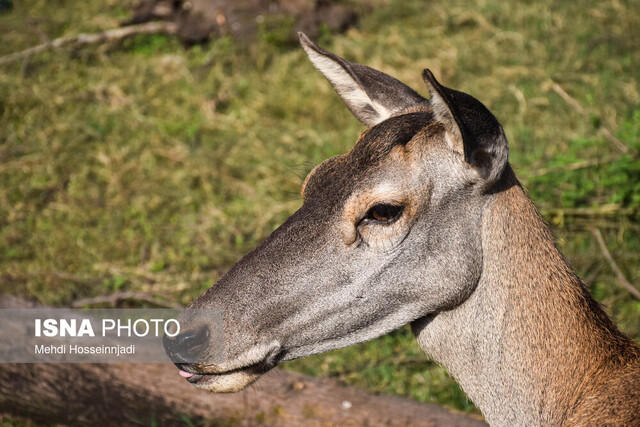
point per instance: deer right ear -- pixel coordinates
(474, 132)
(372, 96)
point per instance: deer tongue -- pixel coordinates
(184, 374)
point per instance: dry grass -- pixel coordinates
(143, 166)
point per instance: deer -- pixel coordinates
(424, 223)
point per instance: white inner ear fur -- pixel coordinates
(453, 136)
(349, 89)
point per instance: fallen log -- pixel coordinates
(200, 20)
(126, 394)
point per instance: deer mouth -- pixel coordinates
(224, 382)
(205, 366)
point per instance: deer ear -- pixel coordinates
(473, 131)
(371, 95)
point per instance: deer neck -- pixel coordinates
(524, 345)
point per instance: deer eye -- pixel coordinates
(383, 213)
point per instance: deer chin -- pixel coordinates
(227, 382)
(230, 378)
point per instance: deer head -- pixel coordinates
(387, 234)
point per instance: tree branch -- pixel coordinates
(114, 298)
(86, 39)
(603, 210)
(573, 166)
(576, 106)
(607, 255)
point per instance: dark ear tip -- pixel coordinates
(304, 39)
(307, 44)
(429, 78)
(432, 84)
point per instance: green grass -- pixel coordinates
(147, 166)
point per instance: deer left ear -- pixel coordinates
(371, 95)
(474, 132)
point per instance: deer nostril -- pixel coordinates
(187, 347)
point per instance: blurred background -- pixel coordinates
(135, 170)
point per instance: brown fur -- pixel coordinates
(587, 371)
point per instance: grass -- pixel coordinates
(147, 166)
